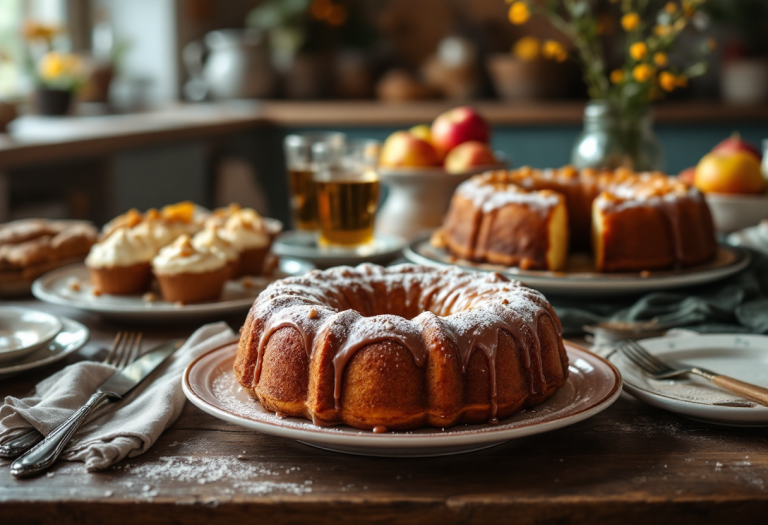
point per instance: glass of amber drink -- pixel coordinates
(298, 157)
(348, 189)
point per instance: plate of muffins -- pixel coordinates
(180, 262)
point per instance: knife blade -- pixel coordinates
(45, 453)
(126, 379)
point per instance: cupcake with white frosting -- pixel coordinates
(155, 230)
(183, 218)
(210, 239)
(252, 236)
(120, 264)
(190, 275)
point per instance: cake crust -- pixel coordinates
(630, 221)
(400, 347)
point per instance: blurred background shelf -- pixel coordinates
(39, 140)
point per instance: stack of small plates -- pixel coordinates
(30, 339)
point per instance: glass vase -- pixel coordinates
(611, 140)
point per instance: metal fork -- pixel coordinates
(125, 349)
(658, 369)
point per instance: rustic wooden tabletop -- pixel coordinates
(630, 464)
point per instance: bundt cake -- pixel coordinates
(530, 218)
(400, 347)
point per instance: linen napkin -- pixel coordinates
(125, 428)
(736, 304)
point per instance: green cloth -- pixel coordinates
(736, 304)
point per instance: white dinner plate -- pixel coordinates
(593, 385)
(71, 338)
(57, 287)
(23, 330)
(742, 356)
(304, 245)
(580, 279)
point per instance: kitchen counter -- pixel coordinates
(41, 140)
(629, 464)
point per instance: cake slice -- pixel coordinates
(498, 222)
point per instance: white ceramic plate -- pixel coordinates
(57, 287)
(580, 280)
(23, 330)
(71, 338)
(303, 245)
(594, 384)
(741, 356)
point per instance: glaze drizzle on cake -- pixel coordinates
(531, 219)
(439, 316)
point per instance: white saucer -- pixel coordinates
(71, 338)
(594, 384)
(57, 287)
(23, 330)
(741, 356)
(304, 245)
(580, 280)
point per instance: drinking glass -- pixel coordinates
(348, 189)
(298, 156)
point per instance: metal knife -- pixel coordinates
(44, 454)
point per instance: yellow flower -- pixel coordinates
(527, 48)
(667, 81)
(617, 75)
(681, 81)
(554, 50)
(660, 59)
(688, 8)
(662, 30)
(670, 8)
(519, 13)
(642, 72)
(630, 21)
(638, 50)
(711, 44)
(54, 65)
(51, 66)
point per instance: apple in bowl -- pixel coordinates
(456, 126)
(731, 178)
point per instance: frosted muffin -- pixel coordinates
(251, 235)
(183, 218)
(155, 230)
(188, 275)
(120, 264)
(219, 216)
(210, 240)
(127, 220)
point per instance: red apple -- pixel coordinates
(734, 143)
(403, 150)
(738, 172)
(456, 126)
(469, 155)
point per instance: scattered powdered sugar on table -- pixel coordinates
(204, 470)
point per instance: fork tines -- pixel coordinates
(125, 349)
(643, 359)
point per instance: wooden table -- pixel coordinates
(630, 464)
